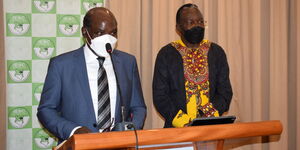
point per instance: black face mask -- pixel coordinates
(194, 35)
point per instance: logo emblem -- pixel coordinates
(19, 117)
(68, 25)
(37, 92)
(19, 71)
(89, 4)
(44, 5)
(18, 24)
(44, 48)
(43, 140)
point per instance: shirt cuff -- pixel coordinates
(209, 111)
(74, 130)
(181, 119)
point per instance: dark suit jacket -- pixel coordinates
(66, 98)
(169, 95)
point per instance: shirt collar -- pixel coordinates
(182, 44)
(89, 55)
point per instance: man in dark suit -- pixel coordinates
(80, 93)
(191, 75)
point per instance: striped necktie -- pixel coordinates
(103, 118)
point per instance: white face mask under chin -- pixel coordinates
(98, 44)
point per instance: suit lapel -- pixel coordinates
(83, 79)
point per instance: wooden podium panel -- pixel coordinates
(126, 139)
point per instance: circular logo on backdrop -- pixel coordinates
(37, 92)
(89, 4)
(44, 5)
(19, 71)
(43, 140)
(44, 48)
(18, 24)
(68, 25)
(19, 117)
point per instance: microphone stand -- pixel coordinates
(122, 126)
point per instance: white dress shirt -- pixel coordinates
(92, 66)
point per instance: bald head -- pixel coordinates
(99, 21)
(98, 13)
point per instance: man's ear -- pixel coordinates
(178, 30)
(83, 30)
(84, 34)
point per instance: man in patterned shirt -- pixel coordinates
(191, 75)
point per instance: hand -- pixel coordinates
(82, 130)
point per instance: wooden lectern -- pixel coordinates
(193, 137)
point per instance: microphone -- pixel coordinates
(123, 126)
(108, 48)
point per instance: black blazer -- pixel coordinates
(169, 95)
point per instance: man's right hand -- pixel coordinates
(82, 130)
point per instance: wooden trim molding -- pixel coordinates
(125, 139)
(2, 82)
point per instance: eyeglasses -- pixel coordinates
(201, 23)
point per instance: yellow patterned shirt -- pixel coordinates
(196, 75)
